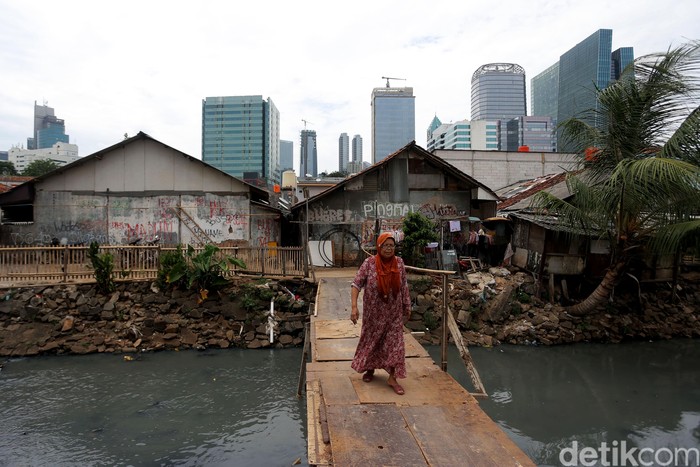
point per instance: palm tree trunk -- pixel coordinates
(600, 295)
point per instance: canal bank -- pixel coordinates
(492, 308)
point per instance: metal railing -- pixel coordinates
(68, 264)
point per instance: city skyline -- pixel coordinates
(76, 58)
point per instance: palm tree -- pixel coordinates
(640, 184)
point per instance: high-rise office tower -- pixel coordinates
(286, 155)
(544, 90)
(48, 130)
(357, 148)
(241, 136)
(498, 93)
(308, 155)
(581, 69)
(393, 120)
(343, 152)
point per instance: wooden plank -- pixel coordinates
(338, 389)
(334, 329)
(344, 349)
(318, 453)
(481, 441)
(430, 388)
(371, 436)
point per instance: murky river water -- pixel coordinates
(234, 407)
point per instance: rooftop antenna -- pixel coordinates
(388, 78)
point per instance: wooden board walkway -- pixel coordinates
(350, 422)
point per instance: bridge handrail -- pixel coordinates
(448, 322)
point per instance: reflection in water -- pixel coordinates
(239, 407)
(172, 408)
(647, 393)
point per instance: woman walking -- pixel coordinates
(386, 305)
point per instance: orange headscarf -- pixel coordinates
(389, 280)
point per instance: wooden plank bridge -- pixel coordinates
(350, 422)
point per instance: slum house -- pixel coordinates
(138, 188)
(344, 220)
(553, 252)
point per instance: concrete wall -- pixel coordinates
(82, 219)
(497, 169)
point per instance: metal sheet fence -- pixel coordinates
(66, 264)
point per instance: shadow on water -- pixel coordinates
(545, 398)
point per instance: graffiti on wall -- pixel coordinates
(265, 231)
(324, 214)
(400, 210)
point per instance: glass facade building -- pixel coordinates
(240, 136)
(343, 152)
(498, 92)
(308, 155)
(48, 130)
(286, 155)
(572, 80)
(537, 133)
(393, 120)
(544, 89)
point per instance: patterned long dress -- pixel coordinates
(381, 342)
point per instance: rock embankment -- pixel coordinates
(491, 307)
(75, 319)
(498, 307)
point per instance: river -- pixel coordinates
(239, 407)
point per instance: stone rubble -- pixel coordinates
(491, 308)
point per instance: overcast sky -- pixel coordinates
(110, 68)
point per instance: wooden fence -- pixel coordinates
(68, 264)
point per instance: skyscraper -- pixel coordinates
(544, 90)
(286, 155)
(48, 130)
(587, 65)
(357, 148)
(393, 120)
(498, 93)
(241, 136)
(343, 152)
(308, 155)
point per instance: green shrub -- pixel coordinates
(204, 271)
(418, 232)
(103, 265)
(171, 261)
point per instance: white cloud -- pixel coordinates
(129, 66)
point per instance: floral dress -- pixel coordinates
(381, 342)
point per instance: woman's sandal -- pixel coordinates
(367, 377)
(397, 389)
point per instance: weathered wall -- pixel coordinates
(363, 212)
(82, 219)
(497, 169)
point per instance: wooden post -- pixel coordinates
(304, 354)
(445, 334)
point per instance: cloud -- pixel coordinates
(115, 68)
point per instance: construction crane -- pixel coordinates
(388, 78)
(305, 122)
